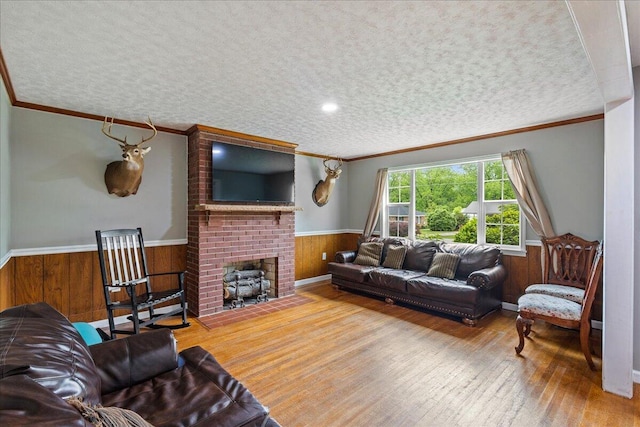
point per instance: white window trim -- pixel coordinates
(506, 249)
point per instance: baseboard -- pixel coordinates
(5, 259)
(636, 376)
(104, 323)
(510, 307)
(312, 280)
(596, 324)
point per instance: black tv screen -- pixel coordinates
(252, 175)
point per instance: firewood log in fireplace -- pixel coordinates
(240, 284)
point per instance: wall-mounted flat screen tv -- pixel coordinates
(252, 175)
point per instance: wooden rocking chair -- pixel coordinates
(123, 264)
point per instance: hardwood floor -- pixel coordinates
(349, 360)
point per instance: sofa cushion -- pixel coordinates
(390, 278)
(472, 257)
(395, 256)
(444, 265)
(354, 272)
(440, 289)
(369, 253)
(419, 255)
(38, 341)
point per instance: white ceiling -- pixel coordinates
(404, 74)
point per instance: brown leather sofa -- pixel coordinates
(44, 361)
(474, 291)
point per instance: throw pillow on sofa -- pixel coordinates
(395, 256)
(444, 265)
(369, 254)
(88, 333)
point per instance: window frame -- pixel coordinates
(518, 250)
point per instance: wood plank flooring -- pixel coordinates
(349, 360)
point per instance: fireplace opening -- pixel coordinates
(248, 282)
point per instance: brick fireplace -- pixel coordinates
(219, 235)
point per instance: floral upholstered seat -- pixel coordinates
(570, 293)
(546, 305)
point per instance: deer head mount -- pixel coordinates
(323, 188)
(123, 177)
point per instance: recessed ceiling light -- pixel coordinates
(329, 107)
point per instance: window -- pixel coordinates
(468, 201)
(399, 198)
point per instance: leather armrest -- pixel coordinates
(202, 363)
(124, 362)
(488, 278)
(344, 257)
(23, 401)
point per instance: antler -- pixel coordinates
(107, 132)
(155, 131)
(324, 162)
(106, 129)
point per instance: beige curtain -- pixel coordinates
(525, 186)
(376, 203)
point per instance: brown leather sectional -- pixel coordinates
(475, 291)
(44, 360)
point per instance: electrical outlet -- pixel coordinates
(324, 256)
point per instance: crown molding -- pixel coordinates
(4, 73)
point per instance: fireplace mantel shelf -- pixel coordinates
(246, 208)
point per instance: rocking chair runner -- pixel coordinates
(562, 312)
(123, 264)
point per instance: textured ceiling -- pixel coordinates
(404, 74)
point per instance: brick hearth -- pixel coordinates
(216, 238)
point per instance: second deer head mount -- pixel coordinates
(123, 177)
(323, 188)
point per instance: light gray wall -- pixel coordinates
(331, 217)
(58, 195)
(5, 170)
(568, 161)
(636, 273)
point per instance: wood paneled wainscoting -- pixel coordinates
(309, 250)
(71, 282)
